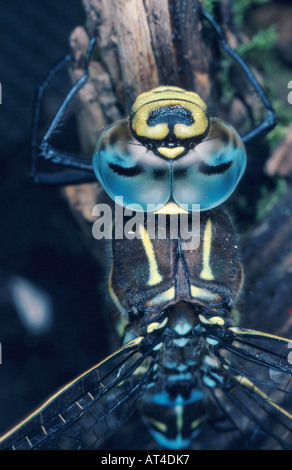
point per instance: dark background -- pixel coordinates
(39, 238)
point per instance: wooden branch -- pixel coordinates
(150, 43)
(159, 17)
(280, 162)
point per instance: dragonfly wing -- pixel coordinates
(254, 386)
(84, 413)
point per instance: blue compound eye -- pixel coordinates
(127, 170)
(209, 173)
(205, 175)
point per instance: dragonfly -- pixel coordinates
(184, 362)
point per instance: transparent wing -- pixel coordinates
(254, 385)
(84, 413)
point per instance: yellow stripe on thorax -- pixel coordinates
(201, 293)
(165, 296)
(154, 275)
(123, 321)
(206, 272)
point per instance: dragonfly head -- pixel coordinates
(169, 153)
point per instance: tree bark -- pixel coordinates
(280, 162)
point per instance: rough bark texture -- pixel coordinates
(148, 43)
(280, 162)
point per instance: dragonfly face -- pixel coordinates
(170, 151)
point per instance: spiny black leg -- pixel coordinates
(65, 178)
(61, 111)
(46, 150)
(36, 114)
(270, 121)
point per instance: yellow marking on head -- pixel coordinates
(171, 208)
(167, 92)
(165, 296)
(199, 292)
(140, 126)
(168, 96)
(130, 344)
(154, 275)
(155, 325)
(158, 424)
(245, 382)
(171, 152)
(206, 272)
(123, 320)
